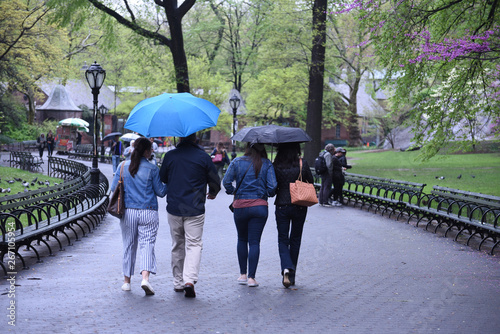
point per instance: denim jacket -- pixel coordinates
(250, 188)
(142, 189)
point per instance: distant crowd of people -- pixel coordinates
(336, 165)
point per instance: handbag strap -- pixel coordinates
(239, 184)
(121, 172)
(300, 170)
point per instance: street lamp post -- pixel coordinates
(234, 102)
(95, 76)
(103, 111)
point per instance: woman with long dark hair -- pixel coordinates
(140, 222)
(255, 182)
(290, 218)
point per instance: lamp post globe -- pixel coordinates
(95, 76)
(103, 111)
(234, 102)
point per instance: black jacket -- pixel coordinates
(187, 170)
(285, 176)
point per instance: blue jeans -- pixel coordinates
(116, 161)
(289, 237)
(250, 224)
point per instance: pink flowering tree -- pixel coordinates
(448, 48)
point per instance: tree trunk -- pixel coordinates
(178, 54)
(353, 125)
(316, 82)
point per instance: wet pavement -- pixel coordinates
(358, 272)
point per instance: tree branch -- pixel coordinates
(185, 7)
(132, 16)
(132, 25)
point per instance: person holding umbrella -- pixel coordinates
(187, 171)
(255, 182)
(290, 218)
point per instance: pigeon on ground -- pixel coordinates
(47, 183)
(441, 178)
(34, 180)
(8, 190)
(40, 183)
(437, 177)
(17, 179)
(473, 176)
(26, 184)
(4, 191)
(10, 181)
(26, 190)
(459, 177)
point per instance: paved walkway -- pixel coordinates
(358, 273)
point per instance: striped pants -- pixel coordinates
(139, 227)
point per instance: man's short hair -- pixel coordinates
(329, 147)
(191, 137)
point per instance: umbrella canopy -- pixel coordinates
(129, 137)
(176, 115)
(74, 122)
(271, 134)
(111, 135)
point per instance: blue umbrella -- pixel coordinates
(177, 115)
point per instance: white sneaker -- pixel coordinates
(126, 287)
(147, 288)
(336, 203)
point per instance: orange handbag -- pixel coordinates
(303, 193)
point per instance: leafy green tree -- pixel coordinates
(29, 47)
(278, 94)
(159, 21)
(353, 57)
(449, 47)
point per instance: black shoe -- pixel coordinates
(189, 290)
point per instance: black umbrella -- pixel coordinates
(272, 134)
(111, 136)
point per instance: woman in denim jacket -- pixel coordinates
(140, 222)
(290, 218)
(255, 182)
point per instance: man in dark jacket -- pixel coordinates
(326, 178)
(338, 180)
(187, 170)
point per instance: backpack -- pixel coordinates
(320, 164)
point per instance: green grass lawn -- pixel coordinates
(8, 173)
(479, 172)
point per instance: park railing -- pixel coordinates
(44, 213)
(470, 214)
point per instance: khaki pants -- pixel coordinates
(187, 245)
